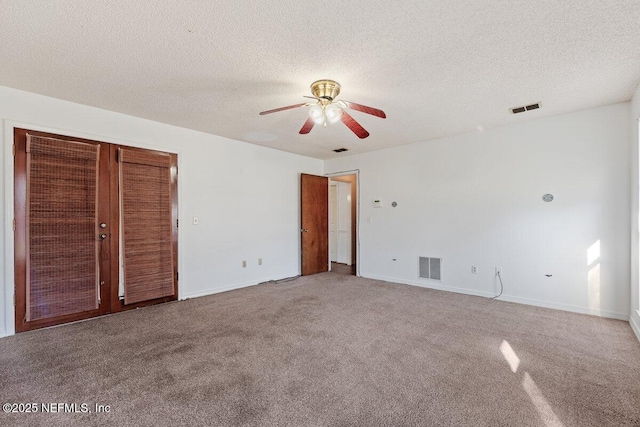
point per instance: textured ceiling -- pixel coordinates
(435, 67)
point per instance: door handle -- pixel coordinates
(304, 230)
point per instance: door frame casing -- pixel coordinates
(334, 240)
(9, 248)
(355, 172)
(340, 204)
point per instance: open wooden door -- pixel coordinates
(315, 223)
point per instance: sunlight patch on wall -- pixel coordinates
(593, 275)
(593, 253)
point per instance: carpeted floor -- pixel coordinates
(329, 350)
(343, 268)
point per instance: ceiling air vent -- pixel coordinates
(430, 268)
(529, 107)
(340, 150)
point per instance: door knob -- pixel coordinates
(304, 230)
(103, 225)
(103, 236)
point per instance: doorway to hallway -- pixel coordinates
(343, 223)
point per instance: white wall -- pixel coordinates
(246, 197)
(476, 199)
(634, 318)
(473, 199)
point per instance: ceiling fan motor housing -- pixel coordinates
(325, 89)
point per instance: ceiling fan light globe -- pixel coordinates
(317, 114)
(333, 113)
(319, 120)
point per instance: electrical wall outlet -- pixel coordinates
(498, 270)
(259, 261)
(474, 269)
(244, 264)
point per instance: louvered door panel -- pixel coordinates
(147, 224)
(62, 271)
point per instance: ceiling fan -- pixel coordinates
(328, 109)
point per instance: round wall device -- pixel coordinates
(394, 204)
(548, 198)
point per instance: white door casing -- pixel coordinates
(344, 222)
(333, 221)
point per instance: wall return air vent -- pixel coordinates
(517, 110)
(430, 268)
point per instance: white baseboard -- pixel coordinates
(229, 288)
(635, 325)
(430, 285)
(509, 298)
(566, 307)
(219, 290)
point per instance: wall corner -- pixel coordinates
(634, 321)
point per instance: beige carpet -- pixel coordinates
(343, 268)
(330, 350)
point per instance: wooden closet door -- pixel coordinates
(62, 253)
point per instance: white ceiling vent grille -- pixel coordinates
(430, 268)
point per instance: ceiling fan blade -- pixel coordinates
(307, 126)
(353, 125)
(282, 109)
(363, 108)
